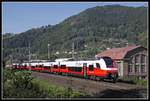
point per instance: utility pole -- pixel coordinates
(29, 56)
(77, 50)
(48, 51)
(29, 53)
(73, 50)
(94, 44)
(36, 57)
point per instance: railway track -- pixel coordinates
(94, 88)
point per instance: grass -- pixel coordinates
(133, 80)
(54, 91)
(20, 84)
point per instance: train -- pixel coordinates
(103, 68)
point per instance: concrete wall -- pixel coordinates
(120, 67)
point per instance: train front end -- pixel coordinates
(110, 67)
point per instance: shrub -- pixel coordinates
(22, 79)
(20, 84)
(16, 83)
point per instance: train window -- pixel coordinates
(46, 67)
(75, 69)
(91, 67)
(33, 66)
(63, 66)
(108, 61)
(78, 69)
(55, 66)
(97, 65)
(71, 68)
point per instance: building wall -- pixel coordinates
(125, 67)
(137, 64)
(134, 64)
(120, 67)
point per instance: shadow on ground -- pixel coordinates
(133, 93)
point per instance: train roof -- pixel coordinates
(63, 59)
(79, 63)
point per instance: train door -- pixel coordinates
(85, 70)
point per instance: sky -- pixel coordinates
(19, 17)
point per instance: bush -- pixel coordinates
(22, 79)
(20, 84)
(16, 83)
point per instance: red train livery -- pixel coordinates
(104, 68)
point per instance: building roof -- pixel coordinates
(117, 53)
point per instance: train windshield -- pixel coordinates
(108, 61)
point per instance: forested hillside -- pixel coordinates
(91, 31)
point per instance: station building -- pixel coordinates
(131, 60)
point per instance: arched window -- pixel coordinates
(143, 63)
(131, 63)
(137, 63)
(142, 68)
(137, 58)
(142, 58)
(136, 68)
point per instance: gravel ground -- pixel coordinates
(95, 89)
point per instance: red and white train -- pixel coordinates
(104, 68)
